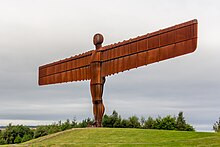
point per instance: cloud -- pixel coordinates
(37, 32)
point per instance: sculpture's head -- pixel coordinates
(98, 40)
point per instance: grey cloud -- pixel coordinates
(37, 32)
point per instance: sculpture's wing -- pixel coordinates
(153, 47)
(71, 69)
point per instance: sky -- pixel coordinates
(36, 32)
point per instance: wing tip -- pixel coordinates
(195, 20)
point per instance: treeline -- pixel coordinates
(166, 123)
(19, 133)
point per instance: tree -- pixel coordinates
(157, 124)
(66, 125)
(111, 121)
(117, 123)
(74, 123)
(134, 122)
(189, 128)
(115, 120)
(181, 124)
(40, 131)
(85, 123)
(142, 121)
(168, 123)
(149, 123)
(106, 121)
(18, 139)
(125, 123)
(2, 141)
(26, 137)
(53, 128)
(216, 126)
(13, 132)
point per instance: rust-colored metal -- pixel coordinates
(97, 82)
(96, 64)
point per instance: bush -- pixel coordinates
(117, 123)
(166, 123)
(26, 137)
(189, 128)
(157, 124)
(41, 131)
(18, 139)
(112, 121)
(125, 123)
(66, 125)
(2, 141)
(216, 126)
(106, 121)
(54, 128)
(149, 123)
(14, 134)
(134, 122)
(181, 124)
(85, 123)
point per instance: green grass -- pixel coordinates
(126, 137)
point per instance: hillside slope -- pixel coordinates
(126, 137)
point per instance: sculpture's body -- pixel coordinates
(97, 81)
(95, 65)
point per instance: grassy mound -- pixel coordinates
(126, 137)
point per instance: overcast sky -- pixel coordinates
(36, 32)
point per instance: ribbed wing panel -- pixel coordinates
(150, 48)
(71, 69)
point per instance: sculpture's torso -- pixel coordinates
(96, 87)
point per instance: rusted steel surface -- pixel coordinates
(150, 48)
(71, 69)
(97, 81)
(96, 64)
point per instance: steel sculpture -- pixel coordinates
(96, 64)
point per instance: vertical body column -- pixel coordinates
(97, 82)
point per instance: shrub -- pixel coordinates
(216, 126)
(134, 122)
(15, 132)
(189, 128)
(85, 123)
(111, 121)
(26, 137)
(181, 124)
(149, 123)
(2, 141)
(168, 123)
(40, 131)
(117, 123)
(142, 121)
(18, 139)
(125, 123)
(66, 125)
(54, 128)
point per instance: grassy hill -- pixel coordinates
(125, 137)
